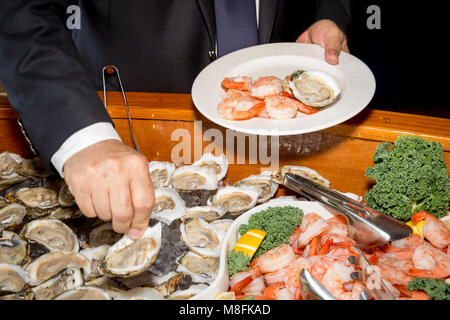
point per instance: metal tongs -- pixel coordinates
(368, 227)
(111, 71)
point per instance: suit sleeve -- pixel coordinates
(43, 74)
(335, 10)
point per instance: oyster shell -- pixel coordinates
(12, 278)
(103, 234)
(235, 199)
(11, 215)
(8, 164)
(50, 264)
(38, 200)
(84, 293)
(13, 250)
(53, 234)
(129, 257)
(201, 269)
(168, 205)
(314, 88)
(207, 213)
(65, 213)
(67, 279)
(65, 198)
(190, 178)
(266, 186)
(141, 293)
(95, 257)
(222, 224)
(218, 164)
(278, 176)
(201, 237)
(161, 173)
(32, 168)
(189, 293)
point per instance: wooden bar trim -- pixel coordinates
(370, 124)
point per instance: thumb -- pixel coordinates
(333, 47)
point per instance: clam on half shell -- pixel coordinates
(53, 234)
(201, 237)
(218, 164)
(314, 88)
(130, 257)
(189, 178)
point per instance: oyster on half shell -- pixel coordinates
(161, 173)
(67, 279)
(12, 278)
(266, 186)
(168, 205)
(201, 269)
(129, 257)
(188, 293)
(84, 293)
(53, 234)
(278, 176)
(218, 164)
(38, 200)
(11, 215)
(95, 256)
(103, 234)
(207, 213)
(235, 199)
(190, 178)
(314, 88)
(201, 237)
(13, 250)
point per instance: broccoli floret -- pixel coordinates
(237, 262)
(435, 289)
(410, 175)
(278, 222)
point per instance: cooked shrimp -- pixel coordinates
(263, 114)
(320, 265)
(276, 258)
(239, 83)
(241, 108)
(279, 275)
(409, 243)
(313, 230)
(266, 86)
(433, 260)
(434, 230)
(234, 93)
(303, 108)
(337, 280)
(280, 107)
(335, 226)
(293, 277)
(394, 275)
(255, 287)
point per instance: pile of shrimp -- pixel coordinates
(263, 98)
(323, 248)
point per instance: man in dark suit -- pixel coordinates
(159, 46)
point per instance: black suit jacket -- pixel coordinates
(158, 46)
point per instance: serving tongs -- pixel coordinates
(368, 227)
(109, 71)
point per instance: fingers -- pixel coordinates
(121, 206)
(100, 201)
(142, 196)
(84, 202)
(304, 37)
(333, 47)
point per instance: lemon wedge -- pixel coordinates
(417, 228)
(250, 242)
(225, 296)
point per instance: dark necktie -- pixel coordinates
(235, 25)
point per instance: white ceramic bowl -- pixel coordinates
(220, 284)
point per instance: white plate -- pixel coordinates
(281, 59)
(220, 284)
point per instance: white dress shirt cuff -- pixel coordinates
(82, 139)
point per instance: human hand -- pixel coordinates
(111, 181)
(329, 36)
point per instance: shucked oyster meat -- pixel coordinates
(38, 200)
(314, 88)
(207, 213)
(11, 215)
(129, 257)
(12, 278)
(53, 234)
(190, 178)
(84, 293)
(67, 279)
(201, 237)
(201, 269)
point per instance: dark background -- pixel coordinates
(409, 55)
